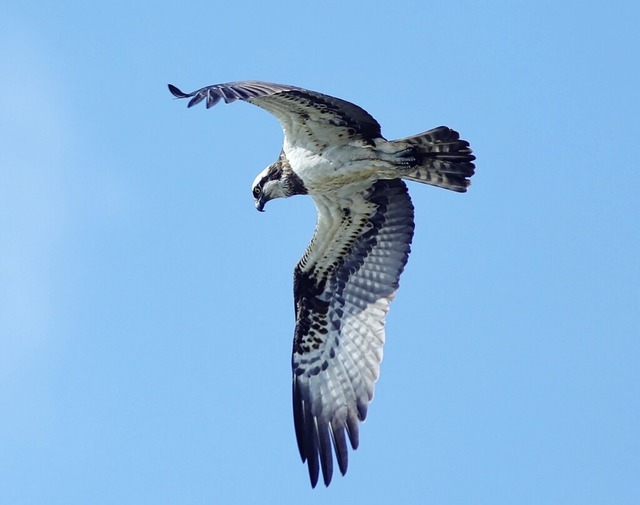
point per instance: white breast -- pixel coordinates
(334, 167)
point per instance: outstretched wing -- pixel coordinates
(308, 118)
(343, 286)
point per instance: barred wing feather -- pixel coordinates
(306, 116)
(343, 286)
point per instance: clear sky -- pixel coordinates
(146, 307)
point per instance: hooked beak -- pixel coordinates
(259, 203)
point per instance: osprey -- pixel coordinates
(334, 151)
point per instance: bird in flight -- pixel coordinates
(334, 152)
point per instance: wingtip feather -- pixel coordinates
(175, 91)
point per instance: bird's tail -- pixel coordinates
(442, 159)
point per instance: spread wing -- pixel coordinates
(343, 286)
(311, 119)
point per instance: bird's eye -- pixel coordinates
(256, 192)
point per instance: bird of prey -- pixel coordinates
(334, 152)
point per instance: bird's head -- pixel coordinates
(276, 181)
(268, 185)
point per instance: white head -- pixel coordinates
(276, 181)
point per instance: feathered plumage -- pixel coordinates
(334, 151)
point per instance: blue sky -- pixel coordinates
(146, 307)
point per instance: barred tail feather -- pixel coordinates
(442, 159)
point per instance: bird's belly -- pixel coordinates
(331, 170)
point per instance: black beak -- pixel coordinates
(259, 202)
